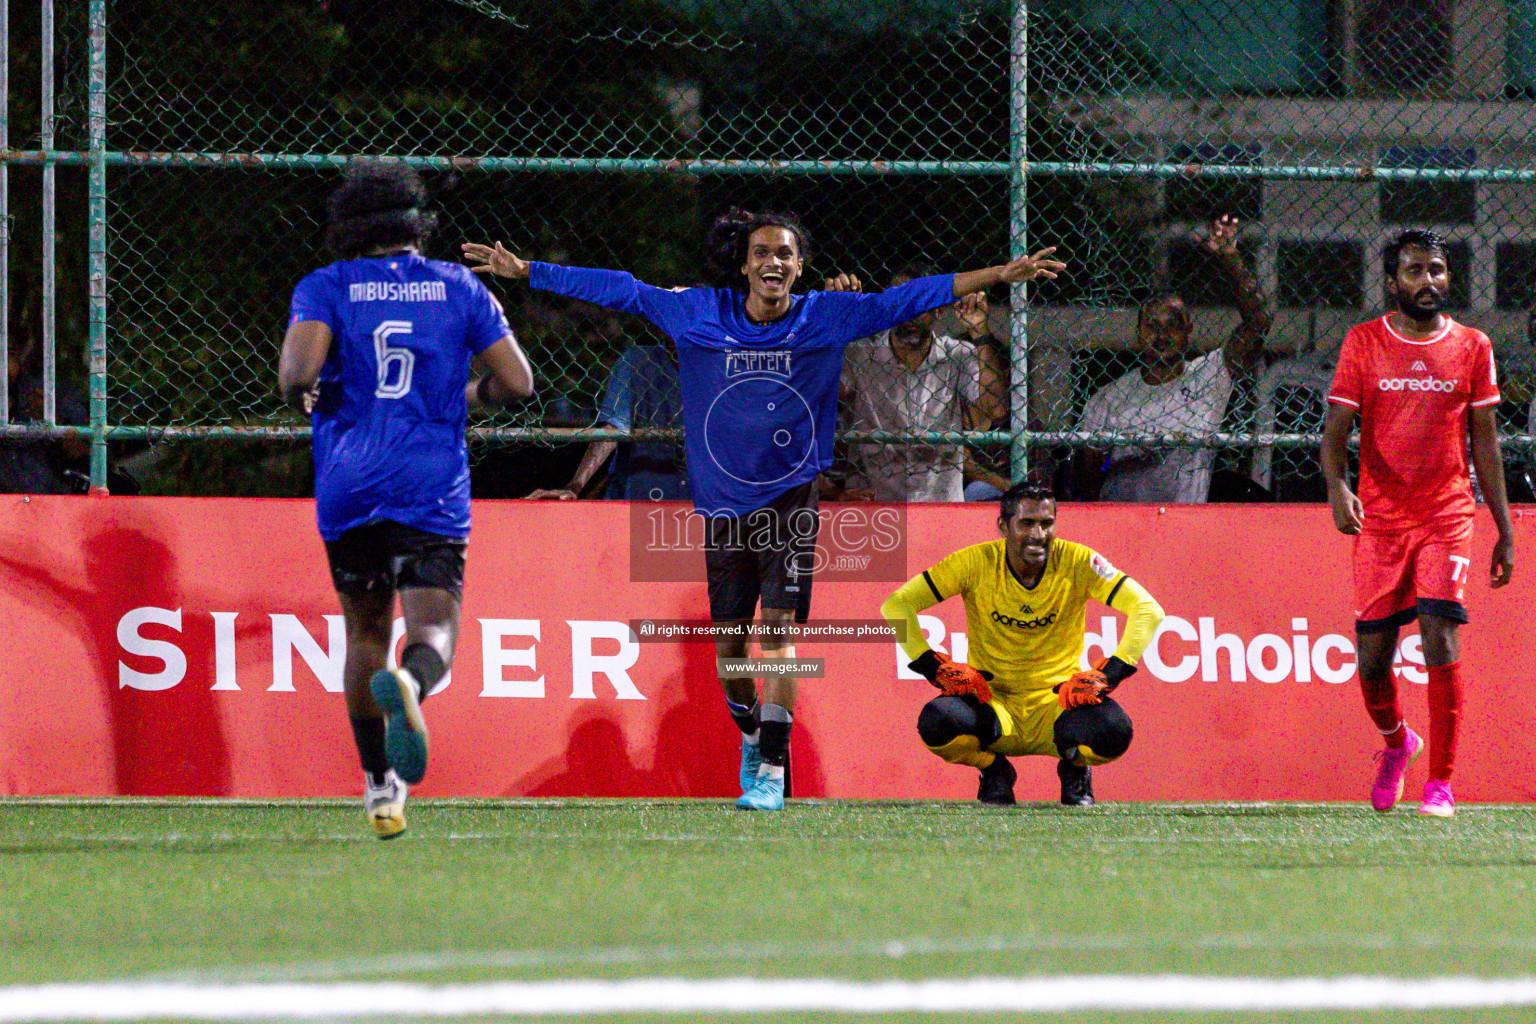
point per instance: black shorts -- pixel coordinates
(767, 554)
(388, 556)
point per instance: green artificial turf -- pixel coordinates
(524, 891)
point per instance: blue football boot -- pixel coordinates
(751, 761)
(765, 795)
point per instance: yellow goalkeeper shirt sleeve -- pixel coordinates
(1143, 615)
(901, 608)
(956, 573)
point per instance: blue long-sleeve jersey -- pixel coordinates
(389, 426)
(759, 400)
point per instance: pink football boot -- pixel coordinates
(1392, 765)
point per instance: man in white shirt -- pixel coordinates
(907, 380)
(1173, 393)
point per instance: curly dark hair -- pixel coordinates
(377, 206)
(1415, 238)
(1026, 490)
(725, 246)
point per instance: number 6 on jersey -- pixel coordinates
(389, 357)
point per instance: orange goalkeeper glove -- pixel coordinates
(1082, 689)
(1092, 686)
(955, 678)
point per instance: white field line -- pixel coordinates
(472, 803)
(1171, 993)
(663, 957)
(1283, 844)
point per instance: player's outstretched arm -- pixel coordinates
(1348, 513)
(858, 316)
(673, 310)
(305, 347)
(494, 259)
(1040, 266)
(1488, 459)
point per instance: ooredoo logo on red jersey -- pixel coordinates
(1413, 384)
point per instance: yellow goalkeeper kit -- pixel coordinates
(1030, 639)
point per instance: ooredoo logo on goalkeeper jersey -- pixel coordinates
(1035, 623)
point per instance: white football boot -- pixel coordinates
(385, 805)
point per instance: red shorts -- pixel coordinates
(1422, 570)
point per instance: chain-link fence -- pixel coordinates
(190, 146)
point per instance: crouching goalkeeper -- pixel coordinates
(1023, 694)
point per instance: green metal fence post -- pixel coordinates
(1018, 233)
(49, 237)
(5, 210)
(97, 217)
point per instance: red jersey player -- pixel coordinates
(1417, 379)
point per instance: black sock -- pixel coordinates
(744, 717)
(369, 736)
(776, 721)
(425, 664)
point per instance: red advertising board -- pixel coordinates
(194, 646)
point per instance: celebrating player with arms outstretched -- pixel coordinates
(386, 337)
(760, 370)
(1023, 694)
(1416, 378)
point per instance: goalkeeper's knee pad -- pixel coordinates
(1093, 734)
(946, 718)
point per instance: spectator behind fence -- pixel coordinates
(35, 466)
(1172, 393)
(909, 379)
(643, 392)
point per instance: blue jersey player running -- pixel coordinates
(378, 349)
(760, 368)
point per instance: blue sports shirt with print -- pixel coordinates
(389, 425)
(759, 400)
